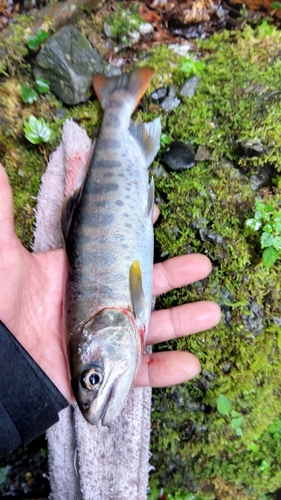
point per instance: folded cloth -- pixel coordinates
(89, 462)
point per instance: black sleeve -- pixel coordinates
(29, 401)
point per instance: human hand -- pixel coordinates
(32, 307)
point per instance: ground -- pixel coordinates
(197, 452)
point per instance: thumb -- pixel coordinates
(6, 208)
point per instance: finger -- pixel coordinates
(156, 213)
(6, 206)
(179, 271)
(161, 369)
(182, 320)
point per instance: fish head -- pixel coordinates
(104, 365)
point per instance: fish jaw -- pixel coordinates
(105, 364)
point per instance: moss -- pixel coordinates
(13, 49)
(123, 22)
(204, 210)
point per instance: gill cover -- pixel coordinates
(109, 354)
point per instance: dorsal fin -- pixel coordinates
(148, 136)
(135, 82)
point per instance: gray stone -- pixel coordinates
(251, 147)
(68, 62)
(170, 103)
(202, 154)
(178, 156)
(189, 87)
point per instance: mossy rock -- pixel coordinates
(195, 449)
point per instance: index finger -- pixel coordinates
(179, 271)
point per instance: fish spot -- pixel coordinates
(101, 163)
(107, 144)
(102, 203)
(107, 174)
(126, 215)
(98, 219)
(105, 290)
(119, 203)
(128, 224)
(125, 246)
(119, 237)
(111, 120)
(121, 175)
(100, 188)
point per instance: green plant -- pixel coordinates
(37, 130)
(191, 67)
(268, 220)
(4, 473)
(34, 41)
(42, 85)
(275, 5)
(29, 95)
(165, 140)
(224, 407)
(275, 429)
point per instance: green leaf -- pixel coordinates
(224, 405)
(277, 243)
(28, 95)
(238, 431)
(165, 139)
(253, 224)
(260, 206)
(275, 5)
(269, 256)
(34, 41)
(253, 447)
(236, 422)
(42, 85)
(36, 130)
(266, 239)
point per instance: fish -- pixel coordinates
(108, 226)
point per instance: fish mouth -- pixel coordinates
(106, 408)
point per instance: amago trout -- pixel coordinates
(110, 249)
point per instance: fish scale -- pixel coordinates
(110, 251)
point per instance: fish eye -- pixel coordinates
(92, 379)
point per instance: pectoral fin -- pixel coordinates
(137, 293)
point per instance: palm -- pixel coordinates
(31, 306)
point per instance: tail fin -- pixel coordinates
(135, 82)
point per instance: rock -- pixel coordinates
(171, 101)
(145, 29)
(68, 62)
(107, 29)
(178, 156)
(181, 49)
(263, 177)
(250, 148)
(159, 94)
(202, 154)
(254, 321)
(112, 70)
(208, 235)
(189, 87)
